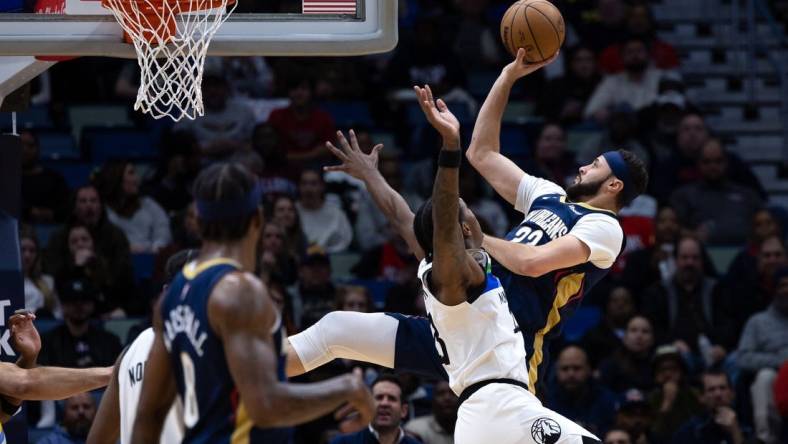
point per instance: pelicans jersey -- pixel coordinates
(130, 375)
(212, 408)
(538, 304)
(477, 340)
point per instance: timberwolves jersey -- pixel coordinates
(540, 304)
(477, 340)
(212, 411)
(130, 374)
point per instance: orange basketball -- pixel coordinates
(536, 25)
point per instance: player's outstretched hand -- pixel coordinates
(439, 116)
(24, 335)
(354, 161)
(521, 68)
(361, 408)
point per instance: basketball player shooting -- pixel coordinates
(214, 334)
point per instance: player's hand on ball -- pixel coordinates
(521, 68)
(354, 161)
(439, 116)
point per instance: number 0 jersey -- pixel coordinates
(477, 340)
(212, 408)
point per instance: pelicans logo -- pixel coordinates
(545, 431)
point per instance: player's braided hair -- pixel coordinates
(222, 182)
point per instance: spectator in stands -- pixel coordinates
(178, 166)
(285, 213)
(437, 428)
(303, 128)
(640, 22)
(603, 25)
(602, 340)
(763, 348)
(390, 410)
(354, 298)
(688, 310)
(78, 413)
(719, 210)
(279, 176)
(474, 41)
(44, 191)
(577, 396)
(648, 266)
(227, 124)
(324, 224)
(758, 285)
(564, 98)
(764, 225)
(634, 88)
(185, 235)
(250, 159)
(487, 210)
(276, 261)
(372, 226)
(781, 392)
(78, 342)
(551, 160)
(108, 240)
(40, 296)
(622, 133)
(141, 218)
(719, 424)
(617, 436)
(406, 295)
(247, 76)
(630, 365)
(635, 417)
(315, 294)
(674, 401)
(692, 136)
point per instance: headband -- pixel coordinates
(619, 168)
(211, 211)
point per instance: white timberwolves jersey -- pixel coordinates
(477, 340)
(130, 374)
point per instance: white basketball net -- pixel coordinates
(171, 38)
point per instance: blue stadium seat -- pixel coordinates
(349, 114)
(143, 265)
(44, 232)
(377, 289)
(55, 145)
(515, 142)
(105, 144)
(583, 320)
(36, 117)
(76, 174)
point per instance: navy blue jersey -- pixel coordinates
(212, 409)
(538, 304)
(541, 304)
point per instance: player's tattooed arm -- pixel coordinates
(365, 167)
(242, 316)
(453, 269)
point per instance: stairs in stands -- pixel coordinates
(714, 65)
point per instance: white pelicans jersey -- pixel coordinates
(477, 340)
(130, 375)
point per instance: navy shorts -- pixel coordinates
(414, 350)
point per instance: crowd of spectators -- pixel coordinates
(684, 350)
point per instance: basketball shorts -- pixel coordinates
(503, 413)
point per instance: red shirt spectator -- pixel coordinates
(781, 390)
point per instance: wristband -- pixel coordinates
(450, 158)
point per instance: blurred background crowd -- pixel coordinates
(684, 341)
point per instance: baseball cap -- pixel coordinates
(315, 255)
(672, 97)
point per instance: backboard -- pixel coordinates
(257, 27)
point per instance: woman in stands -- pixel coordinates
(144, 222)
(285, 214)
(39, 287)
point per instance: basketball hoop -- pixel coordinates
(171, 38)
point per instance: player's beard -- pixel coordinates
(581, 191)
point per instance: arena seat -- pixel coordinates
(44, 232)
(35, 117)
(76, 174)
(121, 327)
(349, 114)
(143, 264)
(81, 116)
(56, 145)
(378, 289)
(105, 144)
(583, 320)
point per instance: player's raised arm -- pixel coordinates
(484, 152)
(158, 388)
(453, 269)
(365, 168)
(242, 314)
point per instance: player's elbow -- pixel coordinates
(21, 386)
(531, 268)
(265, 412)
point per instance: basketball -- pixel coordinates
(535, 25)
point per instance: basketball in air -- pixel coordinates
(535, 25)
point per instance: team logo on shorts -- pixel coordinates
(545, 431)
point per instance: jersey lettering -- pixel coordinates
(529, 235)
(439, 344)
(136, 373)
